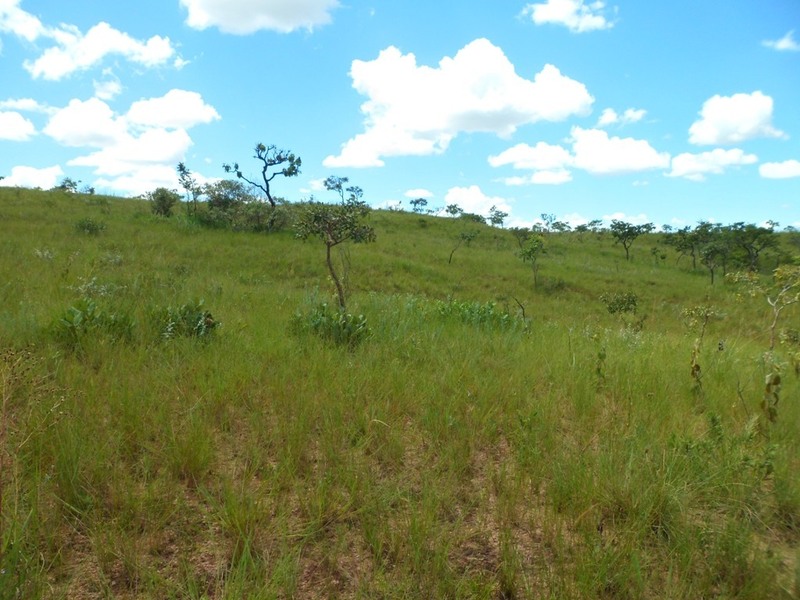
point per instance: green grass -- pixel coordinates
(457, 451)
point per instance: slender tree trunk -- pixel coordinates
(336, 282)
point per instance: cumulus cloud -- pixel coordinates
(31, 177)
(786, 44)
(15, 127)
(697, 166)
(548, 162)
(242, 17)
(594, 151)
(16, 21)
(576, 15)
(734, 119)
(780, 170)
(74, 51)
(136, 151)
(177, 108)
(25, 104)
(472, 200)
(418, 193)
(610, 117)
(640, 219)
(86, 123)
(417, 110)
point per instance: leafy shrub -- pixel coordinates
(85, 318)
(162, 201)
(89, 226)
(620, 302)
(474, 313)
(186, 320)
(338, 327)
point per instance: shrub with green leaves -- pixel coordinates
(187, 320)
(336, 326)
(162, 201)
(89, 226)
(85, 318)
(474, 313)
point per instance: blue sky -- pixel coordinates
(663, 112)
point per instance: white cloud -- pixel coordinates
(75, 51)
(25, 104)
(611, 117)
(697, 166)
(15, 127)
(144, 179)
(31, 177)
(132, 153)
(578, 16)
(107, 90)
(780, 170)
(418, 193)
(248, 16)
(18, 22)
(176, 109)
(786, 43)
(640, 219)
(541, 157)
(86, 123)
(547, 161)
(135, 152)
(734, 119)
(418, 110)
(594, 151)
(472, 200)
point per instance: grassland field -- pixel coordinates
(460, 450)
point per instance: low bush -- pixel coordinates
(338, 327)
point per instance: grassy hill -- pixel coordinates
(173, 428)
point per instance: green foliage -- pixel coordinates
(335, 224)
(186, 320)
(162, 201)
(625, 233)
(284, 162)
(620, 302)
(85, 320)
(336, 326)
(90, 226)
(532, 248)
(475, 313)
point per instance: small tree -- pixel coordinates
(532, 249)
(625, 233)
(419, 205)
(69, 185)
(465, 237)
(270, 157)
(189, 184)
(335, 224)
(162, 201)
(780, 293)
(454, 210)
(497, 216)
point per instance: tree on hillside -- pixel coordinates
(270, 157)
(454, 210)
(335, 224)
(497, 216)
(465, 237)
(189, 184)
(532, 249)
(751, 240)
(419, 205)
(625, 233)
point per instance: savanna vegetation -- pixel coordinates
(196, 403)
